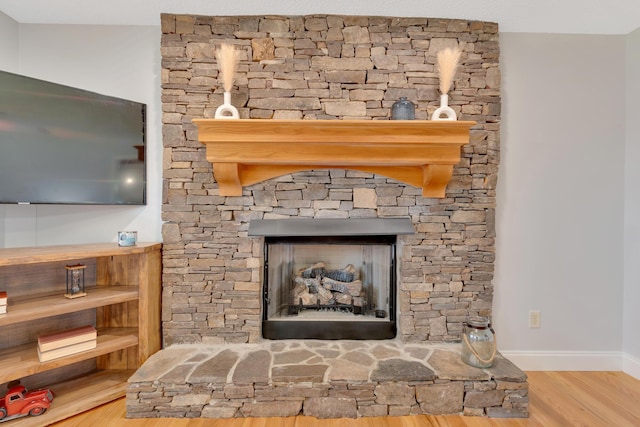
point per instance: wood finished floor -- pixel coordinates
(562, 399)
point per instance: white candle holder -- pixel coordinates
(444, 112)
(226, 110)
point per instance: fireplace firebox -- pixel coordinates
(329, 278)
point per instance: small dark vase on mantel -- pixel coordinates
(403, 109)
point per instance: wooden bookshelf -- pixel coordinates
(123, 286)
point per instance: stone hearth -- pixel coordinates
(324, 379)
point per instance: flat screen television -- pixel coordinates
(62, 145)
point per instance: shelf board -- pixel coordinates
(21, 361)
(40, 254)
(81, 394)
(47, 305)
(247, 151)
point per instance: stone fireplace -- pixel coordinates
(216, 362)
(324, 67)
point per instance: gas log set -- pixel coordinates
(318, 288)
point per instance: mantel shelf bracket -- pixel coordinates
(244, 152)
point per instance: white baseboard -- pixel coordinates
(631, 366)
(566, 360)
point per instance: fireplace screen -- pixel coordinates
(340, 287)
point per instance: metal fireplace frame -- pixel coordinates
(331, 231)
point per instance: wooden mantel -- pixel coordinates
(420, 153)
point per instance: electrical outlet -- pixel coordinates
(534, 318)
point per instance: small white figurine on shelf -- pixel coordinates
(447, 64)
(227, 57)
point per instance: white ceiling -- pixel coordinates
(537, 16)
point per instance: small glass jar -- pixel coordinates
(403, 110)
(478, 343)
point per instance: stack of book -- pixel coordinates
(59, 344)
(3, 302)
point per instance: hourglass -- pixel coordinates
(75, 281)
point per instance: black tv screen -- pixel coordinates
(63, 145)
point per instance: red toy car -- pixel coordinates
(19, 402)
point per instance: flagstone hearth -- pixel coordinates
(324, 379)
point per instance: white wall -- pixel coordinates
(8, 44)
(632, 209)
(121, 61)
(8, 62)
(560, 200)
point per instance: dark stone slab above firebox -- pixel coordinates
(330, 227)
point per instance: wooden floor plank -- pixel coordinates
(611, 394)
(561, 407)
(556, 399)
(549, 409)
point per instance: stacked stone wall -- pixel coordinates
(324, 67)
